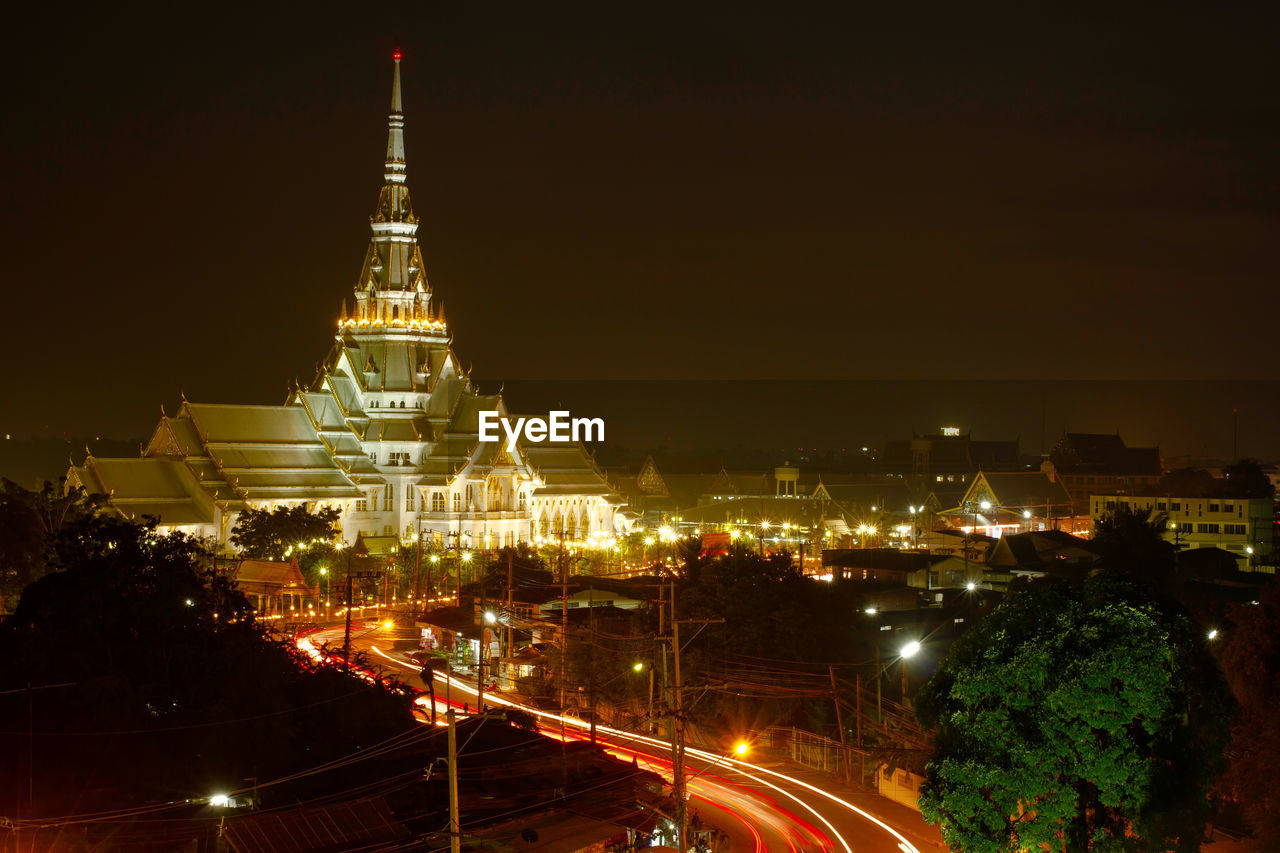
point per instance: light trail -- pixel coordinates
(751, 771)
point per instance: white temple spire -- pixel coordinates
(395, 129)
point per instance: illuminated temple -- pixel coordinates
(387, 431)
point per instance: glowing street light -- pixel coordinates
(971, 586)
(1213, 633)
(638, 666)
(871, 611)
(985, 504)
(741, 748)
(490, 618)
(220, 800)
(910, 649)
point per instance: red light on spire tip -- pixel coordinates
(395, 54)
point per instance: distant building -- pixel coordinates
(1243, 527)
(1101, 464)
(275, 589)
(947, 457)
(1041, 552)
(999, 503)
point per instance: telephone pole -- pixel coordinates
(678, 741)
(511, 628)
(455, 825)
(677, 745)
(417, 570)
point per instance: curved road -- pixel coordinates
(759, 808)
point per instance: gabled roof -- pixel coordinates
(1102, 453)
(1018, 489)
(164, 488)
(271, 573)
(1040, 549)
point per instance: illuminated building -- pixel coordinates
(1243, 527)
(387, 431)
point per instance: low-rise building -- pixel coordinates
(1243, 527)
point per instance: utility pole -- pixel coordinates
(858, 722)
(455, 825)
(591, 663)
(346, 638)
(677, 745)
(844, 742)
(511, 628)
(564, 621)
(417, 569)
(678, 741)
(346, 634)
(483, 648)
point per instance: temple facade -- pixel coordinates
(387, 431)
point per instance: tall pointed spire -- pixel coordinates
(395, 129)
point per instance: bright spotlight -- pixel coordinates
(910, 649)
(638, 666)
(220, 800)
(971, 586)
(741, 747)
(1213, 633)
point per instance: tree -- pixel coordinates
(1245, 479)
(1250, 659)
(170, 689)
(1130, 542)
(30, 524)
(1077, 716)
(272, 534)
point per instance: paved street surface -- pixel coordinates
(762, 807)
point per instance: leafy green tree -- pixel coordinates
(1077, 716)
(271, 534)
(1250, 657)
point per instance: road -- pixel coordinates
(759, 807)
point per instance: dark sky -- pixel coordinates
(894, 191)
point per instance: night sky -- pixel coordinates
(639, 191)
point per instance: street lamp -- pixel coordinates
(906, 652)
(740, 748)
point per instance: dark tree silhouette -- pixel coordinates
(1250, 658)
(173, 691)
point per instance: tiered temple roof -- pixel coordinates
(389, 405)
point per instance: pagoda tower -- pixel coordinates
(387, 432)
